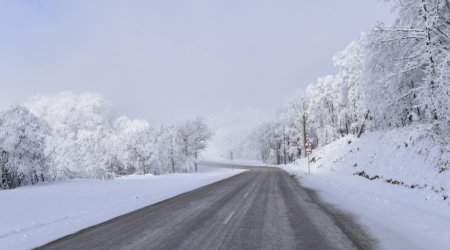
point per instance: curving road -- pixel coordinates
(263, 208)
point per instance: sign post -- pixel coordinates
(309, 166)
(308, 151)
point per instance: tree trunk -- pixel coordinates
(363, 126)
(432, 66)
(196, 161)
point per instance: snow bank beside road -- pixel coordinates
(392, 181)
(34, 215)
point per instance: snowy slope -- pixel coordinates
(392, 181)
(35, 215)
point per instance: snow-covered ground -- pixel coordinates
(405, 203)
(34, 215)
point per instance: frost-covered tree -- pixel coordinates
(407, 65)
(194, 137)
(331, 107)
(323, 107)
(22, 145)
(270, 143)
(81, 126)
(169, 149)
(394, 76)
(352, 111)
(85, 142)
(136, 146)
(294, 117)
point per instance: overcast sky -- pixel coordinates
(174, 59)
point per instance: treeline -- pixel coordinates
(391, 77)
(74, 136)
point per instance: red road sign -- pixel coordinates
(308, 144)
(308, 147)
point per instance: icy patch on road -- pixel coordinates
(35, 215)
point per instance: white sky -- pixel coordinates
(170, 60)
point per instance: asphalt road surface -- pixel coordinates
(263, 208)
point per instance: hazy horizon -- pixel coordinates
(167, 61)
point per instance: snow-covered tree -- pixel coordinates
(352, 113)
(169, 149)
(136, 146)
(84, 142)
(270, 143)
(294, 117)
(194, 137)
(81, 125)
(393, 76)
(22, 145)
(407, 65)
(323, 107)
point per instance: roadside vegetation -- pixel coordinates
(68, 136)
(390, 78)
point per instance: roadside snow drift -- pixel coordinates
(34, 215)
(395, 182)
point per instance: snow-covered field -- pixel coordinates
(405, 203)
(35, 215)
